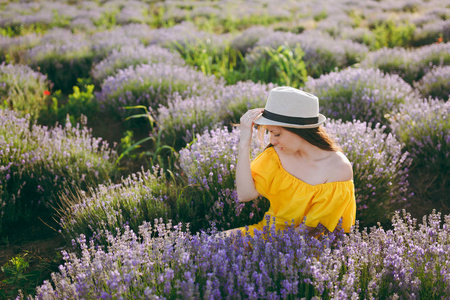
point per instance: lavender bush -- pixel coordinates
(410, 64)
(17, 16)
(11, 48)
(37, 163)
(238, 98)
(209, 166)
(55, 59)
(152, 85)
(38, 16)
(362, 94)
(354, 52)
(380, 168)
(132, 56)
(424, 128)
(133, 12)
(435, 84)
(245, 40)
(431, 33)
(104, 42)
(406, 262)
(182, 118)
(360, 35)
(82, 24)
(143, 32)
(23, 90)
(142, 196)
(184, 35)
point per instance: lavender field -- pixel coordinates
(117, 141)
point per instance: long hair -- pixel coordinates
(315, 136)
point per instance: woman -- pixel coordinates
(302, 172)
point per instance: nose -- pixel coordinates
(273, 140)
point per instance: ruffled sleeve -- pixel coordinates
(264, 167)
(332, 202)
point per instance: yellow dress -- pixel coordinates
(293, 199)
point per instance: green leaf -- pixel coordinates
(132, 147)
(140, 116)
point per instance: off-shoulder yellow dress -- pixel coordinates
(293, 199)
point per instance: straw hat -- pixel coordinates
(290, 107)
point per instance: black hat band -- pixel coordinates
(291, 120)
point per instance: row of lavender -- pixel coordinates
(408, 262)
(81, 50)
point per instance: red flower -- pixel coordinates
(46, 93)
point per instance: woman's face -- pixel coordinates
(283, 139)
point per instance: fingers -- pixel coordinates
(250, 116)
(246, 126)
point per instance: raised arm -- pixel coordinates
(245, 186)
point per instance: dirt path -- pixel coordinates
(42, 256)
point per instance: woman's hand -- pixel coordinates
(310, 231)
(246, 126)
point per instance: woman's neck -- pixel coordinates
(312, 153)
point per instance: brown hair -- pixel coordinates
(316, 136)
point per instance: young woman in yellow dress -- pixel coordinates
(303, 173)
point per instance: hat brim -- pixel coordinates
(263, 121)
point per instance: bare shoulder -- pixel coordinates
(340, 168)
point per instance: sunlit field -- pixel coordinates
(118, 147)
